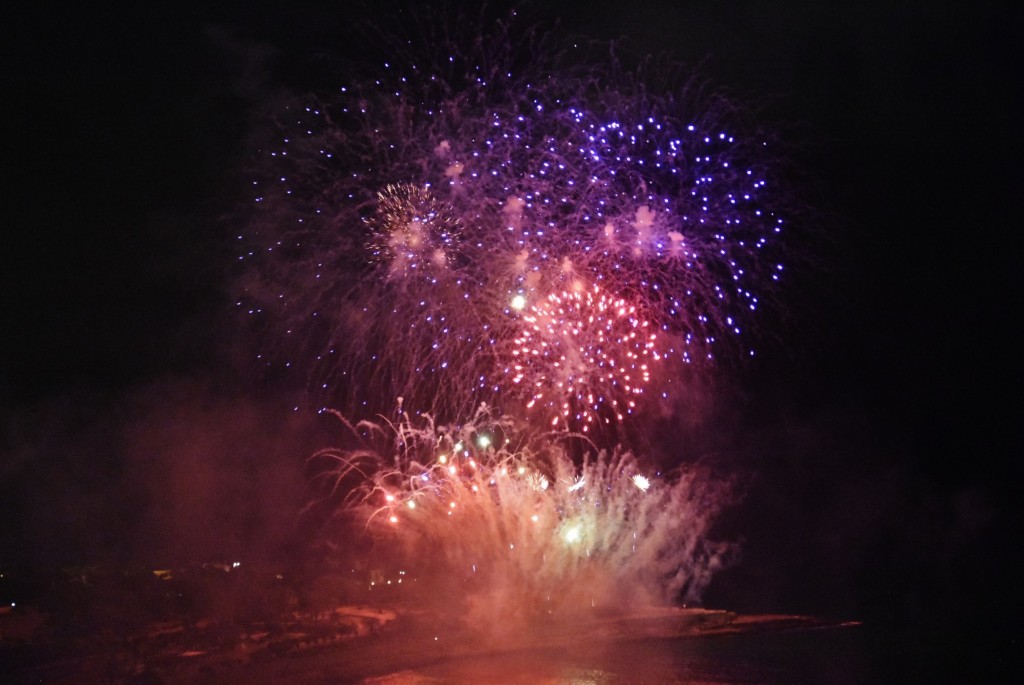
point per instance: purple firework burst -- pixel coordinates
(411, 228)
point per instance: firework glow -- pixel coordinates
(526, 252)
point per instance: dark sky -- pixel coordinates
(883, 436)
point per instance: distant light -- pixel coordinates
(519, 303)
(573, 534)
(483, 441)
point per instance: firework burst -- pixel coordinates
(581, 352)
(408, 226)
(412, 234)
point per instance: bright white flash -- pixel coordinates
(641, 482)
(519, 303)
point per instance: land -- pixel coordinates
(226, 623)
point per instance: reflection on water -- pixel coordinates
(811, 656)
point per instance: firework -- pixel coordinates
(413, 234)
(493, 520)
(545, 248)
(582, 351)
(417, 232)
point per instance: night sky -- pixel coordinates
(881, 433)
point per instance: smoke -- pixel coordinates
(173, 471)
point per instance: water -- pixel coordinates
(832, 655)
(836, 655)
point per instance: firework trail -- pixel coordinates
(470, 228)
